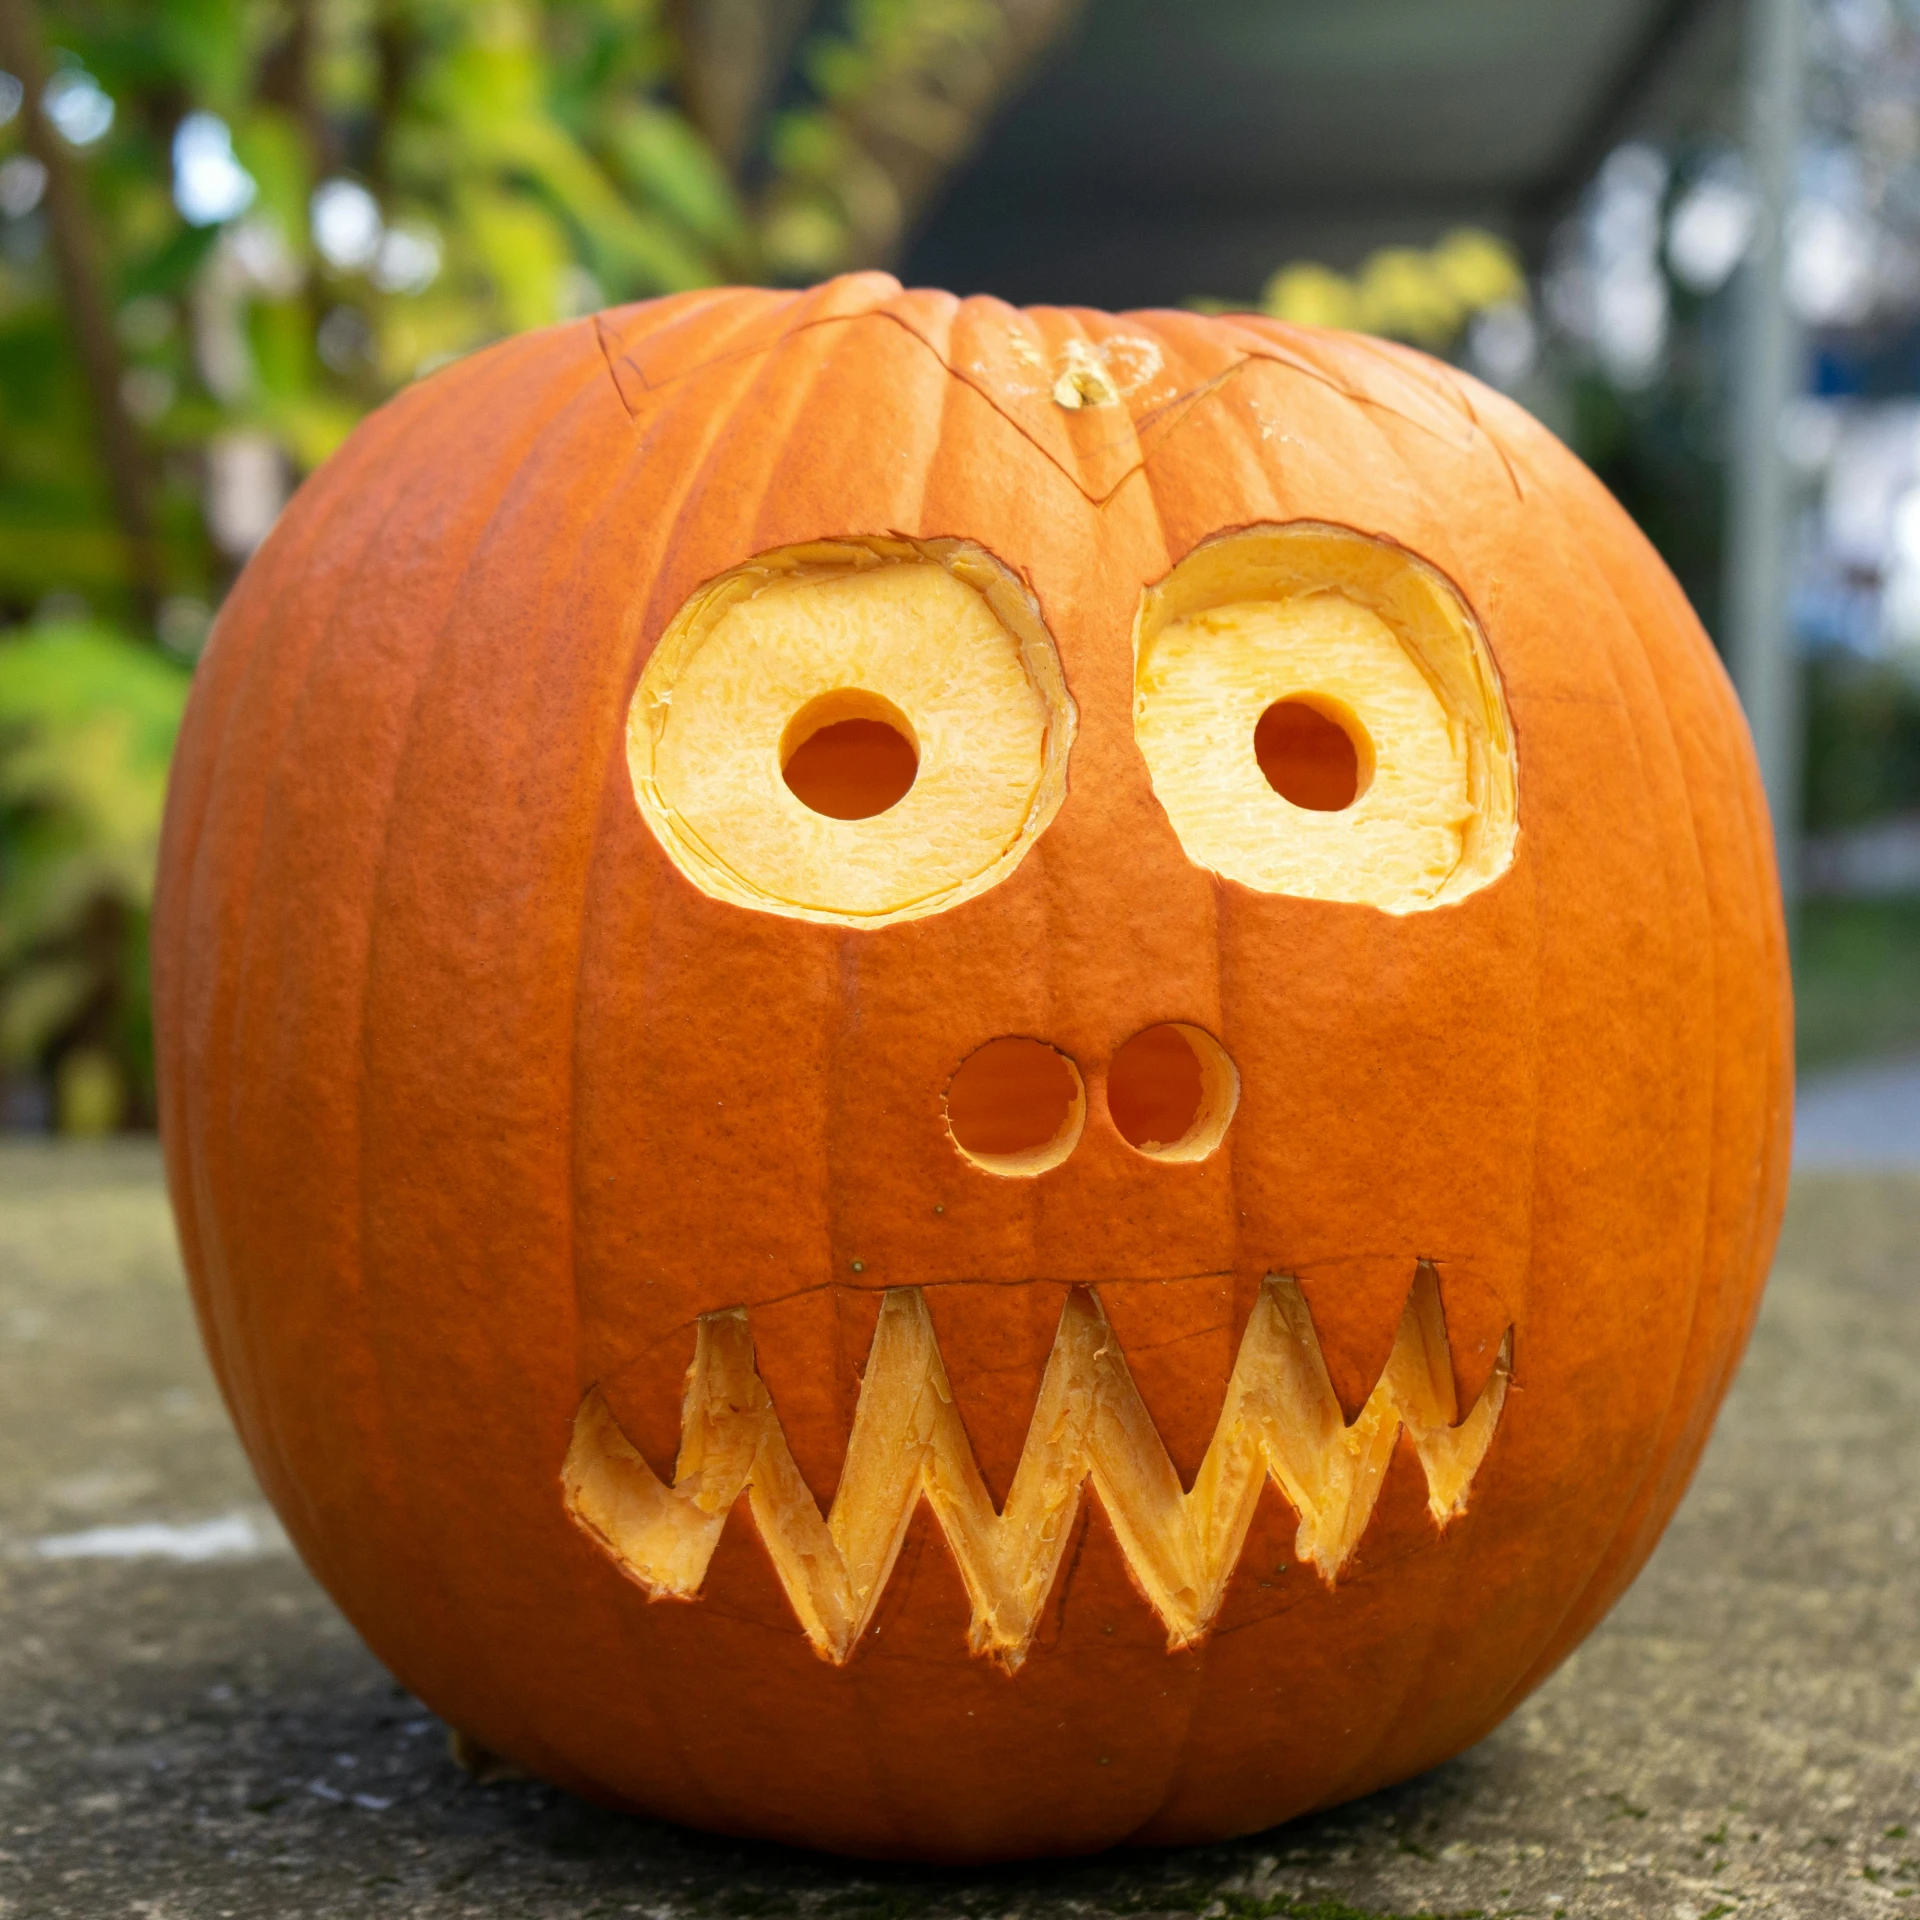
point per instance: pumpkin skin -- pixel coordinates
(472, 1102)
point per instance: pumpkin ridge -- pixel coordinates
(244, 1329)
(1675, 1454)
(1363, 1770)
(665, 1729)
(685, 499)
(1418, 369)
(673, 310)
(498, 487)
(999, 406)
(754, 306)
(666, 1724)
(1607, 1548)
(1618, 1555)
(1762, 1211)
(1200, 1652)
(1494, 440)
(1161, 420)
(191, 789)
(1154, 425)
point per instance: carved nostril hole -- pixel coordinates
(1016, 1107)
(849, 754)
(1171, 1091)
(1311, 758)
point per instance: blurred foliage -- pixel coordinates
(1425, 296)
(229, 228)
(87, 722)
(299, 205)
(1855, 965)
(1863, 743)
(1657, 449)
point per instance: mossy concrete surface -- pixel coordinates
(187, 1728)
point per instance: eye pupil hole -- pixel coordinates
(1307, 758)
(849, 755)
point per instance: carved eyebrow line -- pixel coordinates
(1157, 423)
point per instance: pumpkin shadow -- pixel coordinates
(1303, 1870)
(243, 1740)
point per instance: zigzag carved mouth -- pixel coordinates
(1280, 1419)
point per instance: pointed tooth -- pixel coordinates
(1477, 1313)
(1356, 1306)
(815, 1402)
(646, 1395)
(1179, 1338)
(996, 1341)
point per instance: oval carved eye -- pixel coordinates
(1320, 716)
(856, 732)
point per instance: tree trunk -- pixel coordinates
(732, 53)
(926, 113)
(89, 312)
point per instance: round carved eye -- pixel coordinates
(857, 732)
(1321, 716)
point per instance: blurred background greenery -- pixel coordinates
(228, 228)
(237, 225)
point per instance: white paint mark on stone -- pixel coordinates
(230, 1536)
(105, 1487)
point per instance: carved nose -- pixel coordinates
(1171, 1092)
(1018, 1106)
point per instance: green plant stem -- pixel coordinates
(286, 79)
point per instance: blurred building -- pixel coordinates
(1167, 153)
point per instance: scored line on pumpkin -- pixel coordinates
(1280, 1420)
(1147, 429)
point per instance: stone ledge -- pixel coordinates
(192, 1730)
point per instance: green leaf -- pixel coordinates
(280, 333)
(206, 45)
(523, 249)
(631, 251)
(59, 679)
(41, 997)
(87, 724)
(167, 268)
(269, 144)
(310, 424)
(663, 160)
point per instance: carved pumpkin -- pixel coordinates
(958, 1082)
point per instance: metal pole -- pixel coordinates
(1759, 638)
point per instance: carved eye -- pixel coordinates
(856, 732)
(1321, 716)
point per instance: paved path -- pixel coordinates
(188, 1729)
